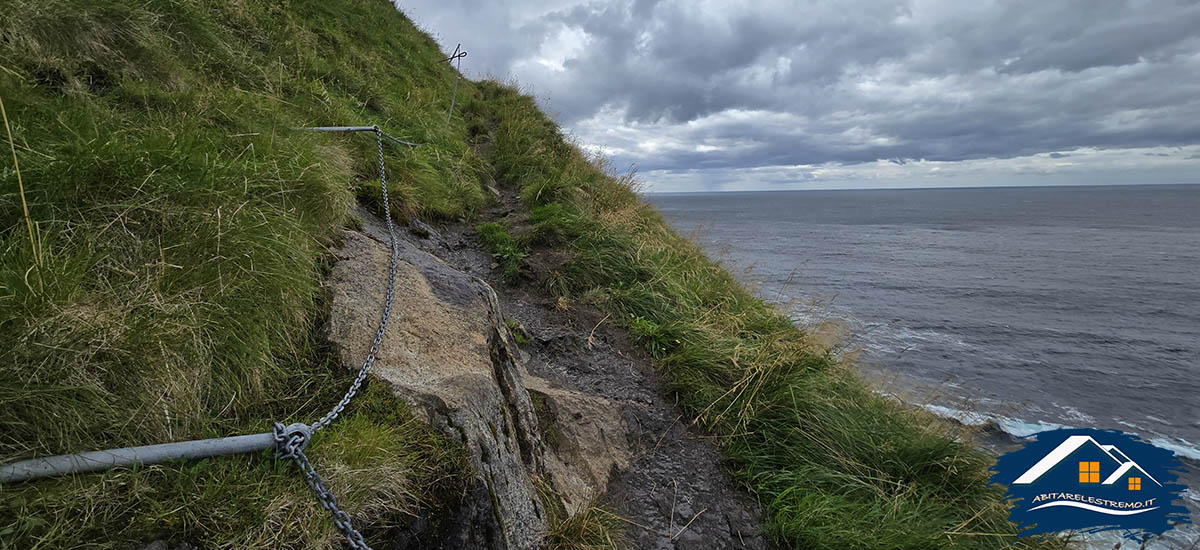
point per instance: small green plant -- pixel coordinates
(506, 249)
(657, 339)
(517, 331)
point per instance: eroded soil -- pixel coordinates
(676, 494)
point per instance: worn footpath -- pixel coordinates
(675, 492)
(575, 409)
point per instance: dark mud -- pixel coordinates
(676, 493)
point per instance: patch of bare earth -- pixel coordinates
(675, 492)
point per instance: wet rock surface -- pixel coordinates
(673, 489)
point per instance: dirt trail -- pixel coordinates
(676, 493)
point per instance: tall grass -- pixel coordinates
(180, 241)
(20, 184)
(834, 464)
(182, 233)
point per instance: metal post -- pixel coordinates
(457, 75)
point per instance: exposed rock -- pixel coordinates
(676, 491)
(422, 230)
(448, 351)
(592, 419)
(586, 439)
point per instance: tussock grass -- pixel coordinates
(591, 527)
(173, 287)
(384, 464)
(834, 465)
(181, 227)
(507, 249)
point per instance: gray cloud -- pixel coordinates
(674, 85)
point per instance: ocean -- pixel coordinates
(1030, 307)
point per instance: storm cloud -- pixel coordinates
(679, 87)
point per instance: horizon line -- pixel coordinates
(938, 187)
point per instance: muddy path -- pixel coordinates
(676, 494)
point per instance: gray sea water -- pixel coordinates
(1034, 307)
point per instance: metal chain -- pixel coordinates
(387, 304)
(290, 441)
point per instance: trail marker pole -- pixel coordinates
(458, 54)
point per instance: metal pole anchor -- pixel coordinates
(133, 456)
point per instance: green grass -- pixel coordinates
(592, 528)
(383, 464)
(507, 250)
(181, 229)
(517, 331)
(834, 464)
(166, 284)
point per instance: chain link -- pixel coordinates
(387, 304)
(290, 441)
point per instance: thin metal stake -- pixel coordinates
(458, 55)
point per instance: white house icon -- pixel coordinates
(1120, 460)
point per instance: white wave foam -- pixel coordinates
(1011, 426)
(1022, 428)
(1129, 425)
(1071, 413)
(1180, 447)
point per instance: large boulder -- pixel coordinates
(586, 441)
(448, 352)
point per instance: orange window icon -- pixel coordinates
(1089, 472)
(1135, 484)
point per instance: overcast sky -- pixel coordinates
(702, 95)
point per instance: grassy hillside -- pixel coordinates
(834, 464)
(172, 288)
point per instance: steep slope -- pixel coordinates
(174, 285)
(834, 464)
(169, 281)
